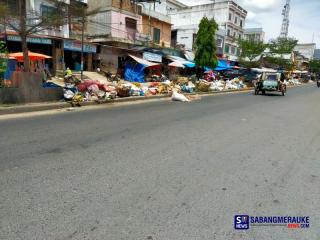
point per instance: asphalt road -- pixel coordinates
(163, 170)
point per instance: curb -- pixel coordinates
(62, 105)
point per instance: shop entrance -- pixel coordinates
(72, 60)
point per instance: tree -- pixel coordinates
(314, 66)
(250, 49)
(205, 44)
(282, 45)
(3, 59)
(278, 48)
(27, 22)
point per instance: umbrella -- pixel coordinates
(176, 64)
(32, 56)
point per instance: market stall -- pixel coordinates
(135, 70)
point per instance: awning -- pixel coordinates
(183, 61)
(144, 62)
(221, 66)
(261, 70)
(32, 56)
(176, 64)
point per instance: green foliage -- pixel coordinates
(278, 62)
(250, 49)
(3, 59)
(3, 47)
(279, 47)
(205, 44)
(314, 66)
(282, 45)
(249, 64)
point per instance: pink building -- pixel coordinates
(117, 23)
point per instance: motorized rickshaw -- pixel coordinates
(270, 81)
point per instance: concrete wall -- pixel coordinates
(119, 30)
(165, 29)
(113, 24)
(28, 88)
(185, 37)
(307, 50)
(195, 14)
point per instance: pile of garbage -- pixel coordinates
(293, 81)
(93, 90)
(220, 85)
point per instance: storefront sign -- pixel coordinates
(152, 57)
(37, 40)
(76, 46)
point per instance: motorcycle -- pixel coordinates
(318, 83)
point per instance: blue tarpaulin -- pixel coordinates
(134, 72)
(222, 65)
(11, 67)
(183, 61)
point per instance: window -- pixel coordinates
(241, 23)
(230, 16)
(227, 48)
(131, 23)
(239, 36)
(236, 20)
(47, 11)
(234, 34)
(219, 42)
(156, 35)
(233, 50)
(228, 32)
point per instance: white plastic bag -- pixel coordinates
(68, 94)
(179, 97)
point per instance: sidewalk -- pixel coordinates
(34, 107)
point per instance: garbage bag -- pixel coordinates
(100, 94)
(179, 97)
(186, 89)
(68, 94)
(82, 87)
(204, 86)
(93, 88)
(123, 91)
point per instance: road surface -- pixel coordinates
(163, 170)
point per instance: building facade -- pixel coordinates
(254, 34)
(157, 27)
(122, 27)
(307, 50)
(57, 42)
(229, 16)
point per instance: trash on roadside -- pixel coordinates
(179, 97)
(204, 85)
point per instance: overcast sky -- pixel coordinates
(304, 17)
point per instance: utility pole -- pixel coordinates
(150, 25)
(285, 21)
(83, 21)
